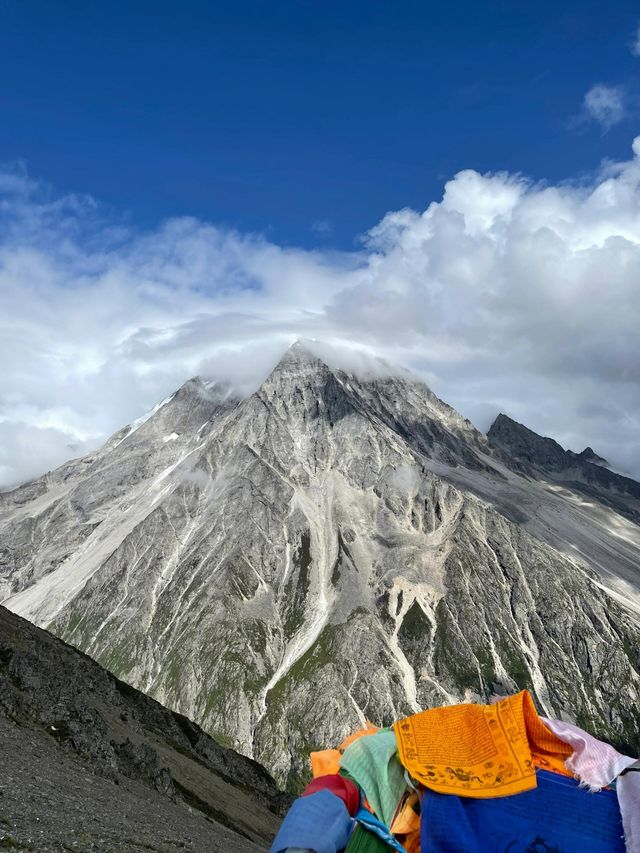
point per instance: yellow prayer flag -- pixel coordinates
(479, 750)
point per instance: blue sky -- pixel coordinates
(187, 188)
(304, 120)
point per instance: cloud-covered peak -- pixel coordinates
(505, 294)
(306, 355)
(299, 352)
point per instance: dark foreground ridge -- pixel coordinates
(90, 764)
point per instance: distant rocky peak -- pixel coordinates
(527, 445)
(524, 443)
(506, 426)
(314, 379)
(527, 452)
(589, 455)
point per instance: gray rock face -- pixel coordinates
(585, 472)
(328, 550)
(89, 763)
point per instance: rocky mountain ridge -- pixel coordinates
(73, 735)
(333, 548)
(585, 472)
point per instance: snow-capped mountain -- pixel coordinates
(330, 549)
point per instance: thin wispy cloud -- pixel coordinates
(605, 105)
(322, 226)
(634, 46)
(504, 295)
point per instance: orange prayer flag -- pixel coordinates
(369, 729)
(407, 820)
(326, 762)
(548, 750)
(406, 823)
(479, 750)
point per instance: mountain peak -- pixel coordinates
(589, 455)
(299, 363)
(301, 352)
(344, 358)
(584, 471)
(525, 444)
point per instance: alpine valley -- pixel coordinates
(339, 546)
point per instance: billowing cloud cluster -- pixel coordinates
(504, 295)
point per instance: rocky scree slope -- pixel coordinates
(89, 763)
(333, 548)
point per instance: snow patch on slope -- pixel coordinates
(134, 426)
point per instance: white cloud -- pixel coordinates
(634, 47)
(322, 226)
(504, 295)
(605, 105)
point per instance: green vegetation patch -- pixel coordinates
(451, 654)
(298, 585)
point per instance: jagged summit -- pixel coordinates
(589, 455)
(301, 351)
(299, 356)
(524, 443)
(525, 450)
(338, 539)
(348, 361)
(296, 366)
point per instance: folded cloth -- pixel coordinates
(597, 764)
(407, 818)
(326, 762)
(372, 824)
(480, 750)
(319, 822)
(338, 785)
(557, 816)
(373, 763)
(406, 823)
